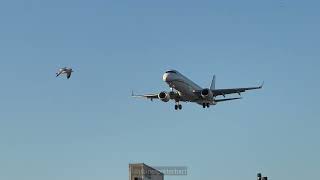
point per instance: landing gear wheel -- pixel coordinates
(204, 105)
(180, 106)
(176, 107)
(208, 105)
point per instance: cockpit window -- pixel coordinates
(171, 71)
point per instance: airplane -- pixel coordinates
(185, 90)
(65, 70)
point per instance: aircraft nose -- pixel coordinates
(166, 77)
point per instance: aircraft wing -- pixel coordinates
(148, 96)
(223, 92)
(228, 99)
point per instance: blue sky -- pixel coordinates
(89, 127)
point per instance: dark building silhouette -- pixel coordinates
(141, 171)
(259, 177)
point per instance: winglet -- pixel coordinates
(261, 86)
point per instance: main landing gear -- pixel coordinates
(178, 106)
(205, 105)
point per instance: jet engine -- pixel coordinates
(206, 94)
(164, 96)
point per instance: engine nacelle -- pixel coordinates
(206, 94)
(164, 96)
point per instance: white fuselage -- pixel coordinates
(185, 90)
(183, 85)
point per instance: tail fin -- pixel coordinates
(213, 83)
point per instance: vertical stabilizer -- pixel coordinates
(213, 83)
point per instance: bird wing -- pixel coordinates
(68, 75)
(58, 73)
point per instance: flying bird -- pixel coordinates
(65, 70)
